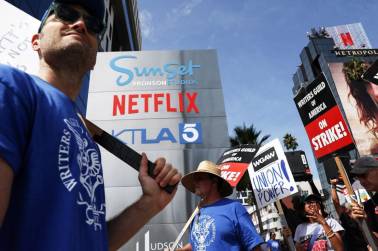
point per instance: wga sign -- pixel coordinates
(172, 72)
(157, 245)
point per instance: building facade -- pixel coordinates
(316, 58)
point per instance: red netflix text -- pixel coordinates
(155, 102)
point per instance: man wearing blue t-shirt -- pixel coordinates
(221, 224)
(272, 243)
(51, 182)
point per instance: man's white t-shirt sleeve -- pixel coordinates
(335, 226)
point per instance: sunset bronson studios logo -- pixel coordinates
(174, 73)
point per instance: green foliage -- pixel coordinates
(290, 142)
(247, 135)
(354, 69)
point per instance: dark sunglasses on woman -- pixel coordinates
(67, 14)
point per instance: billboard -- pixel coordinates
(349, 36)
(359, 100)
(270, 175)
(164, 103)
(323, 121)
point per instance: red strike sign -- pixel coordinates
(155, 102)
(328, 133)
(233, 172)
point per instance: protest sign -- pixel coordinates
(322, 118)
(234, 162)
(16, 31)
(270, 174)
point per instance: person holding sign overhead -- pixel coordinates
(221, 224)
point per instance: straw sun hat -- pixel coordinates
(208, 167)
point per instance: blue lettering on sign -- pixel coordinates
(129, 74)
(171, 70)
(269, 183)
(189, 133)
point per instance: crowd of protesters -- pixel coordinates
(69, 33)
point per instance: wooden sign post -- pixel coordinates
(284, 223)
(365, 230)
(187, 224)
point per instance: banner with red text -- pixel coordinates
(234, 162)
(323, 121)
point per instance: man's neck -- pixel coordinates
(210, 199)
(64, 79)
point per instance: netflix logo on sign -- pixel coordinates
(328, 133)
(347, 39)
(155, 102)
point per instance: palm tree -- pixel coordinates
(246, 135)
(290, 142)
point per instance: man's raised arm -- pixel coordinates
(153, 200)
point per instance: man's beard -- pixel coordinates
(72, 56)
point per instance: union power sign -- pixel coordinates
(323, 121)
(270, 174)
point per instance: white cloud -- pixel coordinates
(186, 8)
(146, 24)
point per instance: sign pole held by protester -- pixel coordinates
(271, 178)
(284, 223)
(365, 230)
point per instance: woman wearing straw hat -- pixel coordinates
(221, 224)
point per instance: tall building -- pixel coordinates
(122, 32)
(327, 46)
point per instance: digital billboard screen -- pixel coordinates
(359, 101)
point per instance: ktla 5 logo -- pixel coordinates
(188, 133)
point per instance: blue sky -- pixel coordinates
(258, 45)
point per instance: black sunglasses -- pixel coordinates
(67, 14)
